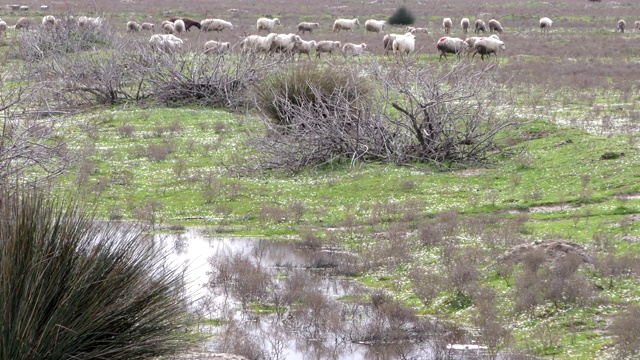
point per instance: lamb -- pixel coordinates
(3, 28)
(179, 26)
(23, 23)
(464, 24)
(133, 26)
(480, 26)
(284, 43)
(621, 25)
(165, 42)
(216, 47)
(494, 25)
(487, 46)
(307, 26)
(267, 24)
(375, 26)
(148, 26)
(447, 24)
(345, 24)
(215, 25)
(257, 43)
(327, 46)
(49, 21)
(304, 47)
(353, 49)
(448, 45)
(168, 28)
(545, 24)
(404, 44)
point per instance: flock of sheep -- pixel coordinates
(399, 44)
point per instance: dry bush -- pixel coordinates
(626, 328)
(493, 329)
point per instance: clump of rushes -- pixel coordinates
(74, 288)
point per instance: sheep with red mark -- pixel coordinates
(448, 45)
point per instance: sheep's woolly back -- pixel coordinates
(345, 24)
(267, 24)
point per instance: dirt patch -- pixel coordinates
(553, 207)
(470, 172)
(554, 249)
(628, 196)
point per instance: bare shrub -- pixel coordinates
(426, 285)
(159, 152)
(491, 324)
(626, 328)
(126, 130)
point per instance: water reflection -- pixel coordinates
(277, 300)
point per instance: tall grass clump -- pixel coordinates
(72, 288)
(402, 16)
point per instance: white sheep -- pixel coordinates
(480, 26)
(3, 28)
(44, 7)
(345, 24)
(24, 8)
(404, 44)
(327, 46)
(415, 30)
(307, 26)
(168, 27)
(447, 24)
(464, 24)
(636, 26)
(621, 25)
(387, 42)
(148, 26)
(304, 47)
(133, 26)
(375, 26)
(487, 46)
(179, 26)
(215, 25)
(353, 49)
(216, 47)
(49, 21)
(267, 24)
(471, 41)
(448, 45)
(495, 26)
(284, 43)
(545, 24)
(257, 43)
(23, 23)
(165, 42)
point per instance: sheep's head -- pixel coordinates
(502, 46)
(357, 22)
(276, 21)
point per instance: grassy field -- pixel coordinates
(432, 237)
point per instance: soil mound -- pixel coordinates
(554, 249)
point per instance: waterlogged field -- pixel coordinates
(536, 253)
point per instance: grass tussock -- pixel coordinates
(71, 288)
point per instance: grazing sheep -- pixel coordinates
(165, 42)
(148, 26)
(415, 30)
(327, 46)
(267, 24)
(257, 43)
(387, 42)
(636, 25)
(353, 49)
(621, 25)
(345, 24)
(375, 26)
(24, 8)
(23, 23)
(82, 21)
(495, 26)
(133, 26)
(44, 7)
(215, 25)
(95, 22)
(284, 43)
(179, 26)
(168, 28)
(448, 45)
(14, 7)
(487, 46)
(307, 26)
(188, 23)
(404, 44)
(49, 21)
(447, 24)
(3, 28)
(216, 47)
(545, 24)
(480, 26)
(464, 24)
(304, 47)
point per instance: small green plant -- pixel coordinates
(402, 16)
